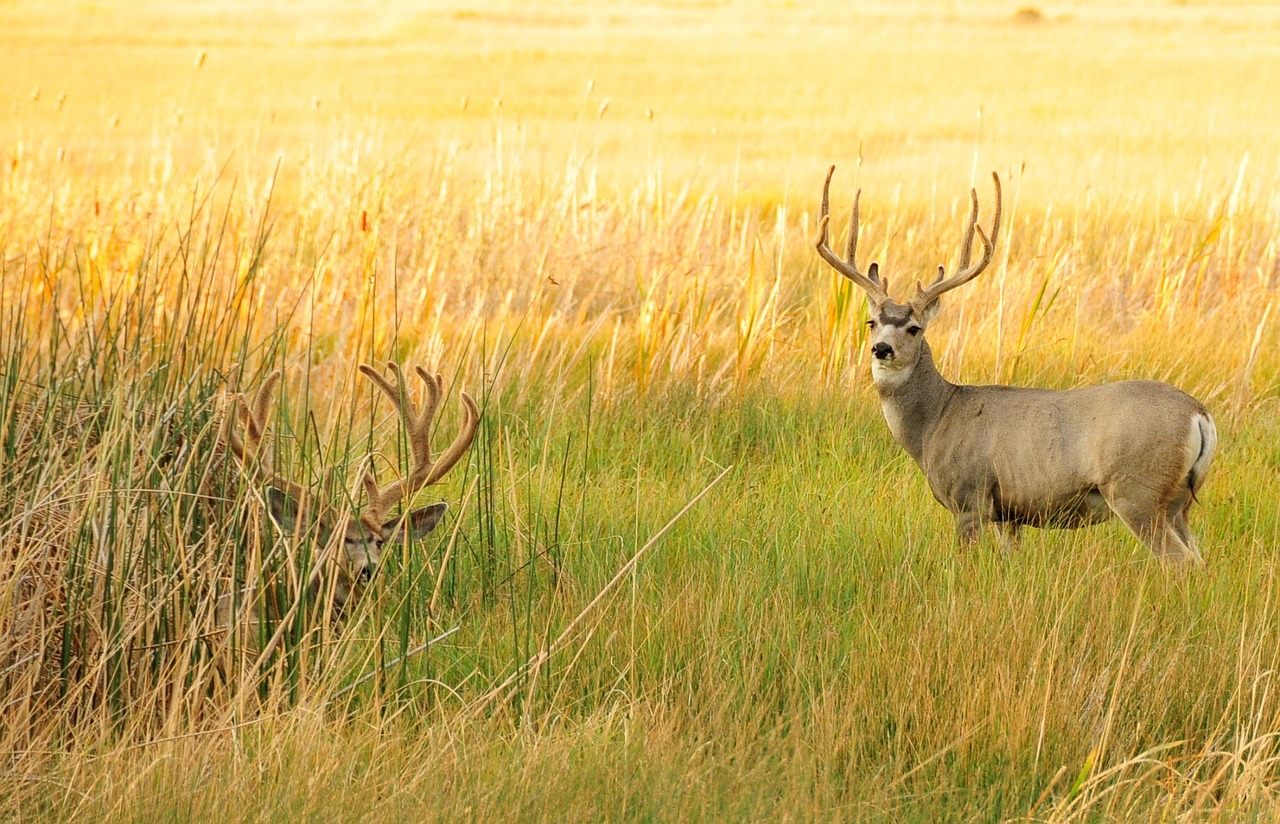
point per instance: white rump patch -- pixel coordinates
(1201, 445)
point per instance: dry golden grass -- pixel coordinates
(598, 216)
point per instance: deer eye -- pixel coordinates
(871, 324)
(913, 330)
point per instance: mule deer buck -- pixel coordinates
(363, 535)
(1017, 456)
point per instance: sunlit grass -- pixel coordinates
(633, 298)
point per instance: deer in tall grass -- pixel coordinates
(1015, 456)
(362, 535)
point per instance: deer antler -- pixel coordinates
(928, 294)
(417, 424)
(248, 451)
(872, 285)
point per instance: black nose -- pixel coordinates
(365, 574)
(882, 351)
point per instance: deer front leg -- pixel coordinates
(969, 531)
(969, 527)
(971, 504)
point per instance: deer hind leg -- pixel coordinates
(1177, 514)
(1154, 524)
(1204, 443)
(1010, 536)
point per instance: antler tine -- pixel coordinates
(460, 445)
(995, 220)
(926, 295)
(256, 413)
(851, 245)
(966, 247)
(849, 267)
(238, 408)
(255, 416)
(381, 499)
(417, 425)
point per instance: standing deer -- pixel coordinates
(1016, 456)
(363, 535)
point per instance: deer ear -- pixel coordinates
(283, 509)
(929, 311)
(419, 523)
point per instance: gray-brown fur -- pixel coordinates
(1017, 457)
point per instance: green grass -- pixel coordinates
(637, 306)
(805, 642)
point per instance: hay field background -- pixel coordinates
(596, 217)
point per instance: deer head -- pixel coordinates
(365, 533)
(897, 329)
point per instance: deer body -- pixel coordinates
(1014, 456)
(1051, 458)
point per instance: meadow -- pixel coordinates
(686, 574)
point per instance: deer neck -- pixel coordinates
(913, 402)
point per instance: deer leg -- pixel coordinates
(1151, 523)
(1177, 514)
(978, 511)
(969, 527)
(1010, 536)
(1188, 540)
(1180, 526)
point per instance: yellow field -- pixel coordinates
(597, 217)
(1139, 101)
